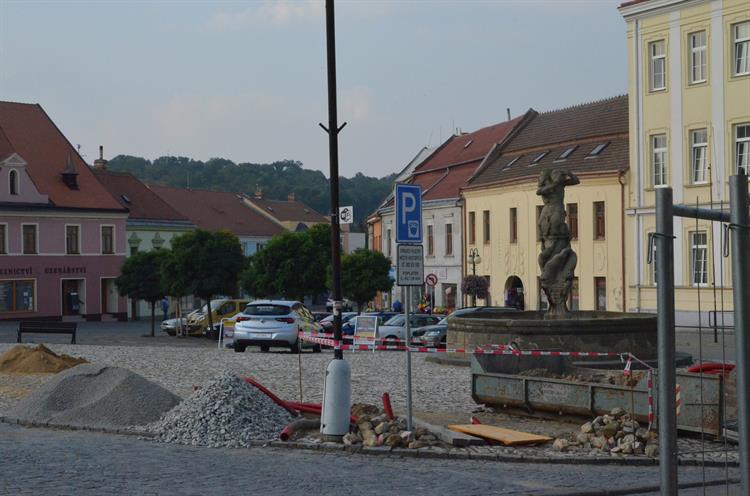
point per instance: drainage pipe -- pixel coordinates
(298, 425)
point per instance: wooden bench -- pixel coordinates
(48, 328)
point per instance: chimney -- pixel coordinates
(258, 192)
(508, 110)
(290, 197)
(69, 175)
(100, 163)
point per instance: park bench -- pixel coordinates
(48, 328)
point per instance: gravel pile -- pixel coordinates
(35, 360)
(227, 412)
(96, 396)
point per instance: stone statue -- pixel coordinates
(556, 260)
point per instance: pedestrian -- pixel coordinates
(397, 307)
(165, 307)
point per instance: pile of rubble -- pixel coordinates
(616, 433)
(377, 429)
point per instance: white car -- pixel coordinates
(267, 323)
(395, 328)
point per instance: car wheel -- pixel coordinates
(172, 333)
(391, 341)
(294, 348)
(264, 348)
(239, 348)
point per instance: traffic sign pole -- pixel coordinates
(407, 306)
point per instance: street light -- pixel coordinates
(474, 259)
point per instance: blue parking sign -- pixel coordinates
(408, 198)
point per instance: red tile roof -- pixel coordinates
(28, 131)
(218, 210)
(470, 147)
(581, 127)
(293, 210)
(132, 194)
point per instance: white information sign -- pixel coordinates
(409, 265)
(366, 326)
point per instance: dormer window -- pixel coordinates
(13, 182)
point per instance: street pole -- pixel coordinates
(740, 225)
(667, 416)
(407, 306)
(337, 387)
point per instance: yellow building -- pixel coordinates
(501, 206)
(689, 88)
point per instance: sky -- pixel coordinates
(247, 80)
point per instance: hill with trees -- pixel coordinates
(276, 180)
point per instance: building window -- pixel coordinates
(259, 246)
(430, 241)
(573, 220)
(133, 250)
(659, 160)
(108, 240)
(449, 239)
(699, 258)
(486, 226)
(472, 228)
(573, 299)
(697, 63)
(13, 182)
(388, 240)
(741, 41)
(742, 147)
(600, 292)
(71, 240)
(599, 221)
(699, 152)
(658, 65)
(16, 296)
(513, 225)
(29, 239)
(3, 240)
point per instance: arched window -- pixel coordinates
(13, 182)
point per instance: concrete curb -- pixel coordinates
(431, 453)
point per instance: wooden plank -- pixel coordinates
(450, 437)
(508, 437)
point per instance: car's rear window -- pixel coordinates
(266, 310)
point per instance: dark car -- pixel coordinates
(327, 322)
(320, 315)
(435, 336)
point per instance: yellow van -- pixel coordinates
(223, 308)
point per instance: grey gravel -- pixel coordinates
(227, 412)
(98, 396)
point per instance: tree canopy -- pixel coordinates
(364, 273)
(276, 180)
(292, 265)
(140, 278)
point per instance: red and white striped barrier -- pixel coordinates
(678, 399)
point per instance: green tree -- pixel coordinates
(140, 279)
(363, 273)
(292, 265)
(204, 264)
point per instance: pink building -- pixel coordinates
(62, 234)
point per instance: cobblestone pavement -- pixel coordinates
(133, 333)
(42, 462)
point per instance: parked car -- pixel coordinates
(267, 323)
(197, 322)
(327, 323)
(349, 327)
(435, 336)
(395, 328)
(320, 315)
(170, 325)
(431, 336)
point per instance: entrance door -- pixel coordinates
(70, 297)
(514, 294)
(105, 296)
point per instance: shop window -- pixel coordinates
(16, 296)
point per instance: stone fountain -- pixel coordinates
(557, 329)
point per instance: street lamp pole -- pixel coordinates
(474, 259)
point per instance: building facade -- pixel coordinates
(151, 224)
(62, 235)
(501, 206)
(689, 87)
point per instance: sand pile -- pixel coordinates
(36, 360)
(96, 396)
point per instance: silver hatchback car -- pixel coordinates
(267, 323)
